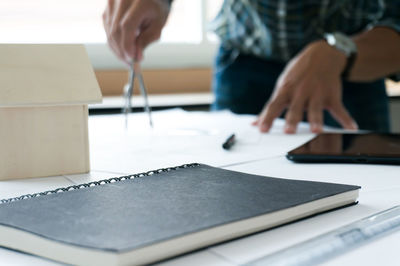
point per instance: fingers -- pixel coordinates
(132, 25)
(107, 14)
(107, 17)
(294, 115)
(339, 112)
(271, 111)
(111, 20)
(315, 115)
(124, 28)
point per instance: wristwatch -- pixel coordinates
(346, 45)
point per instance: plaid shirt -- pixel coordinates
(279, 29)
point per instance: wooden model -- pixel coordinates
(44, 94)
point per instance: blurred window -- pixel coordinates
(77, 21)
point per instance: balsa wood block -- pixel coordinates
(46, 74)
(44, 93)
(43, 141)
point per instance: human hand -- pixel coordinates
(311, 83)
(131, 25)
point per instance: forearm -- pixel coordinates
(378, 54)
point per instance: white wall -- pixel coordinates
(159, 55)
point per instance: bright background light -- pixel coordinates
(79, 21)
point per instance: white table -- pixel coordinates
(180, 137)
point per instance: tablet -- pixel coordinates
(349, 148)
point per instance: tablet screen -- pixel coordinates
(350, 145)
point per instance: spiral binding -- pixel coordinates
(98, 183)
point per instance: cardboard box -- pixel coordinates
(44, 93)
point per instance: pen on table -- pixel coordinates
(229, 142)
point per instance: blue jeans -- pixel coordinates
(244, 83)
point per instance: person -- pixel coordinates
(323, 61)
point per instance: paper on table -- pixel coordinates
(183, 137)
(255, 246)
(15, 188)
(370, 177)
(11, 257)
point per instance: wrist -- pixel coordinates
(334, 59)
(345, 45)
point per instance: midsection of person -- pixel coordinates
(320, 60)
(258, 38)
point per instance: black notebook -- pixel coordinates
(145, 218)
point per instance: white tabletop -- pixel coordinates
(180, 137)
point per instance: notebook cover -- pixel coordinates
(129, 214)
